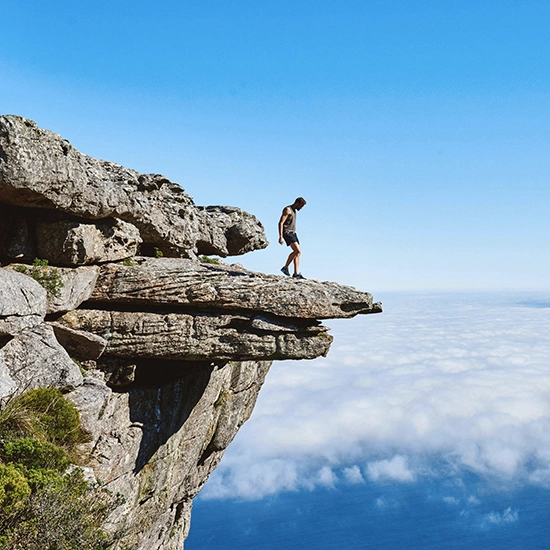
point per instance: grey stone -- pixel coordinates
(35, 359)
(7, 383)
(73, 243)
(118, 373)
(157, 445)
(166, 281)
(79, 344)
(91, 398)
(78, 285)
(90, 370)
(235, 233)
(39, 169)
(22, 302)
(196, 337)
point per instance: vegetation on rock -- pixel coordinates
(45, 503)
(48, 277)
(208, 260)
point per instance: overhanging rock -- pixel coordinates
(178, 282)
(40, 169)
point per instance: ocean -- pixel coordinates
(429, 515)
(426, 427)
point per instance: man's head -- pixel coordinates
(299, 203)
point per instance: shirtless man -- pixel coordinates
(287, 233)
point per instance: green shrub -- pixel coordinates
(17, 421)
(48, 277)
(58, 418)
(129, 262)
(158, 252)
(61, 516)
(39, 478)
(33, 454)
(14, 489)
(44, 505)
(208, 260)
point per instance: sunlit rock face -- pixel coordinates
(40, 169)
(171, 352)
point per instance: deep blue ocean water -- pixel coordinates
(428, 515)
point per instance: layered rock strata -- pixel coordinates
(164, 357)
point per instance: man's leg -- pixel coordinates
(290, 258)
(294, 256)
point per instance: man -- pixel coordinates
(287, 233)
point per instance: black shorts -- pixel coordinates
(290, 238)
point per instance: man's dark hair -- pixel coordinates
(300, 200)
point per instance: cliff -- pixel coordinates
(163, 356)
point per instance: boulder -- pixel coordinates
(39, 169)
(34, 359)
(73, 243)
(77, 287)
(22, 302)
(235, 233)
(79, 344)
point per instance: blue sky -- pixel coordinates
(418, 131)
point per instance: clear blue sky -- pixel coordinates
(418, 131)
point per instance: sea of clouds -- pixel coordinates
(437, 386)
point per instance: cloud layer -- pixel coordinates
(437, 385)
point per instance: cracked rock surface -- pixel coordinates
(183, 282)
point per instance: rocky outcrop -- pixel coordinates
(164, 357)
(157, 442)
(39, 169)
(199, 336)
(226, 287)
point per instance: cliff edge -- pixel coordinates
(164, 355)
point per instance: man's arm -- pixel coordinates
(286, 213)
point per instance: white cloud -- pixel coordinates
(261, 479)
(353, 475)
(452, 383)
(507, 516)
(396, 469)
(327, 477)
